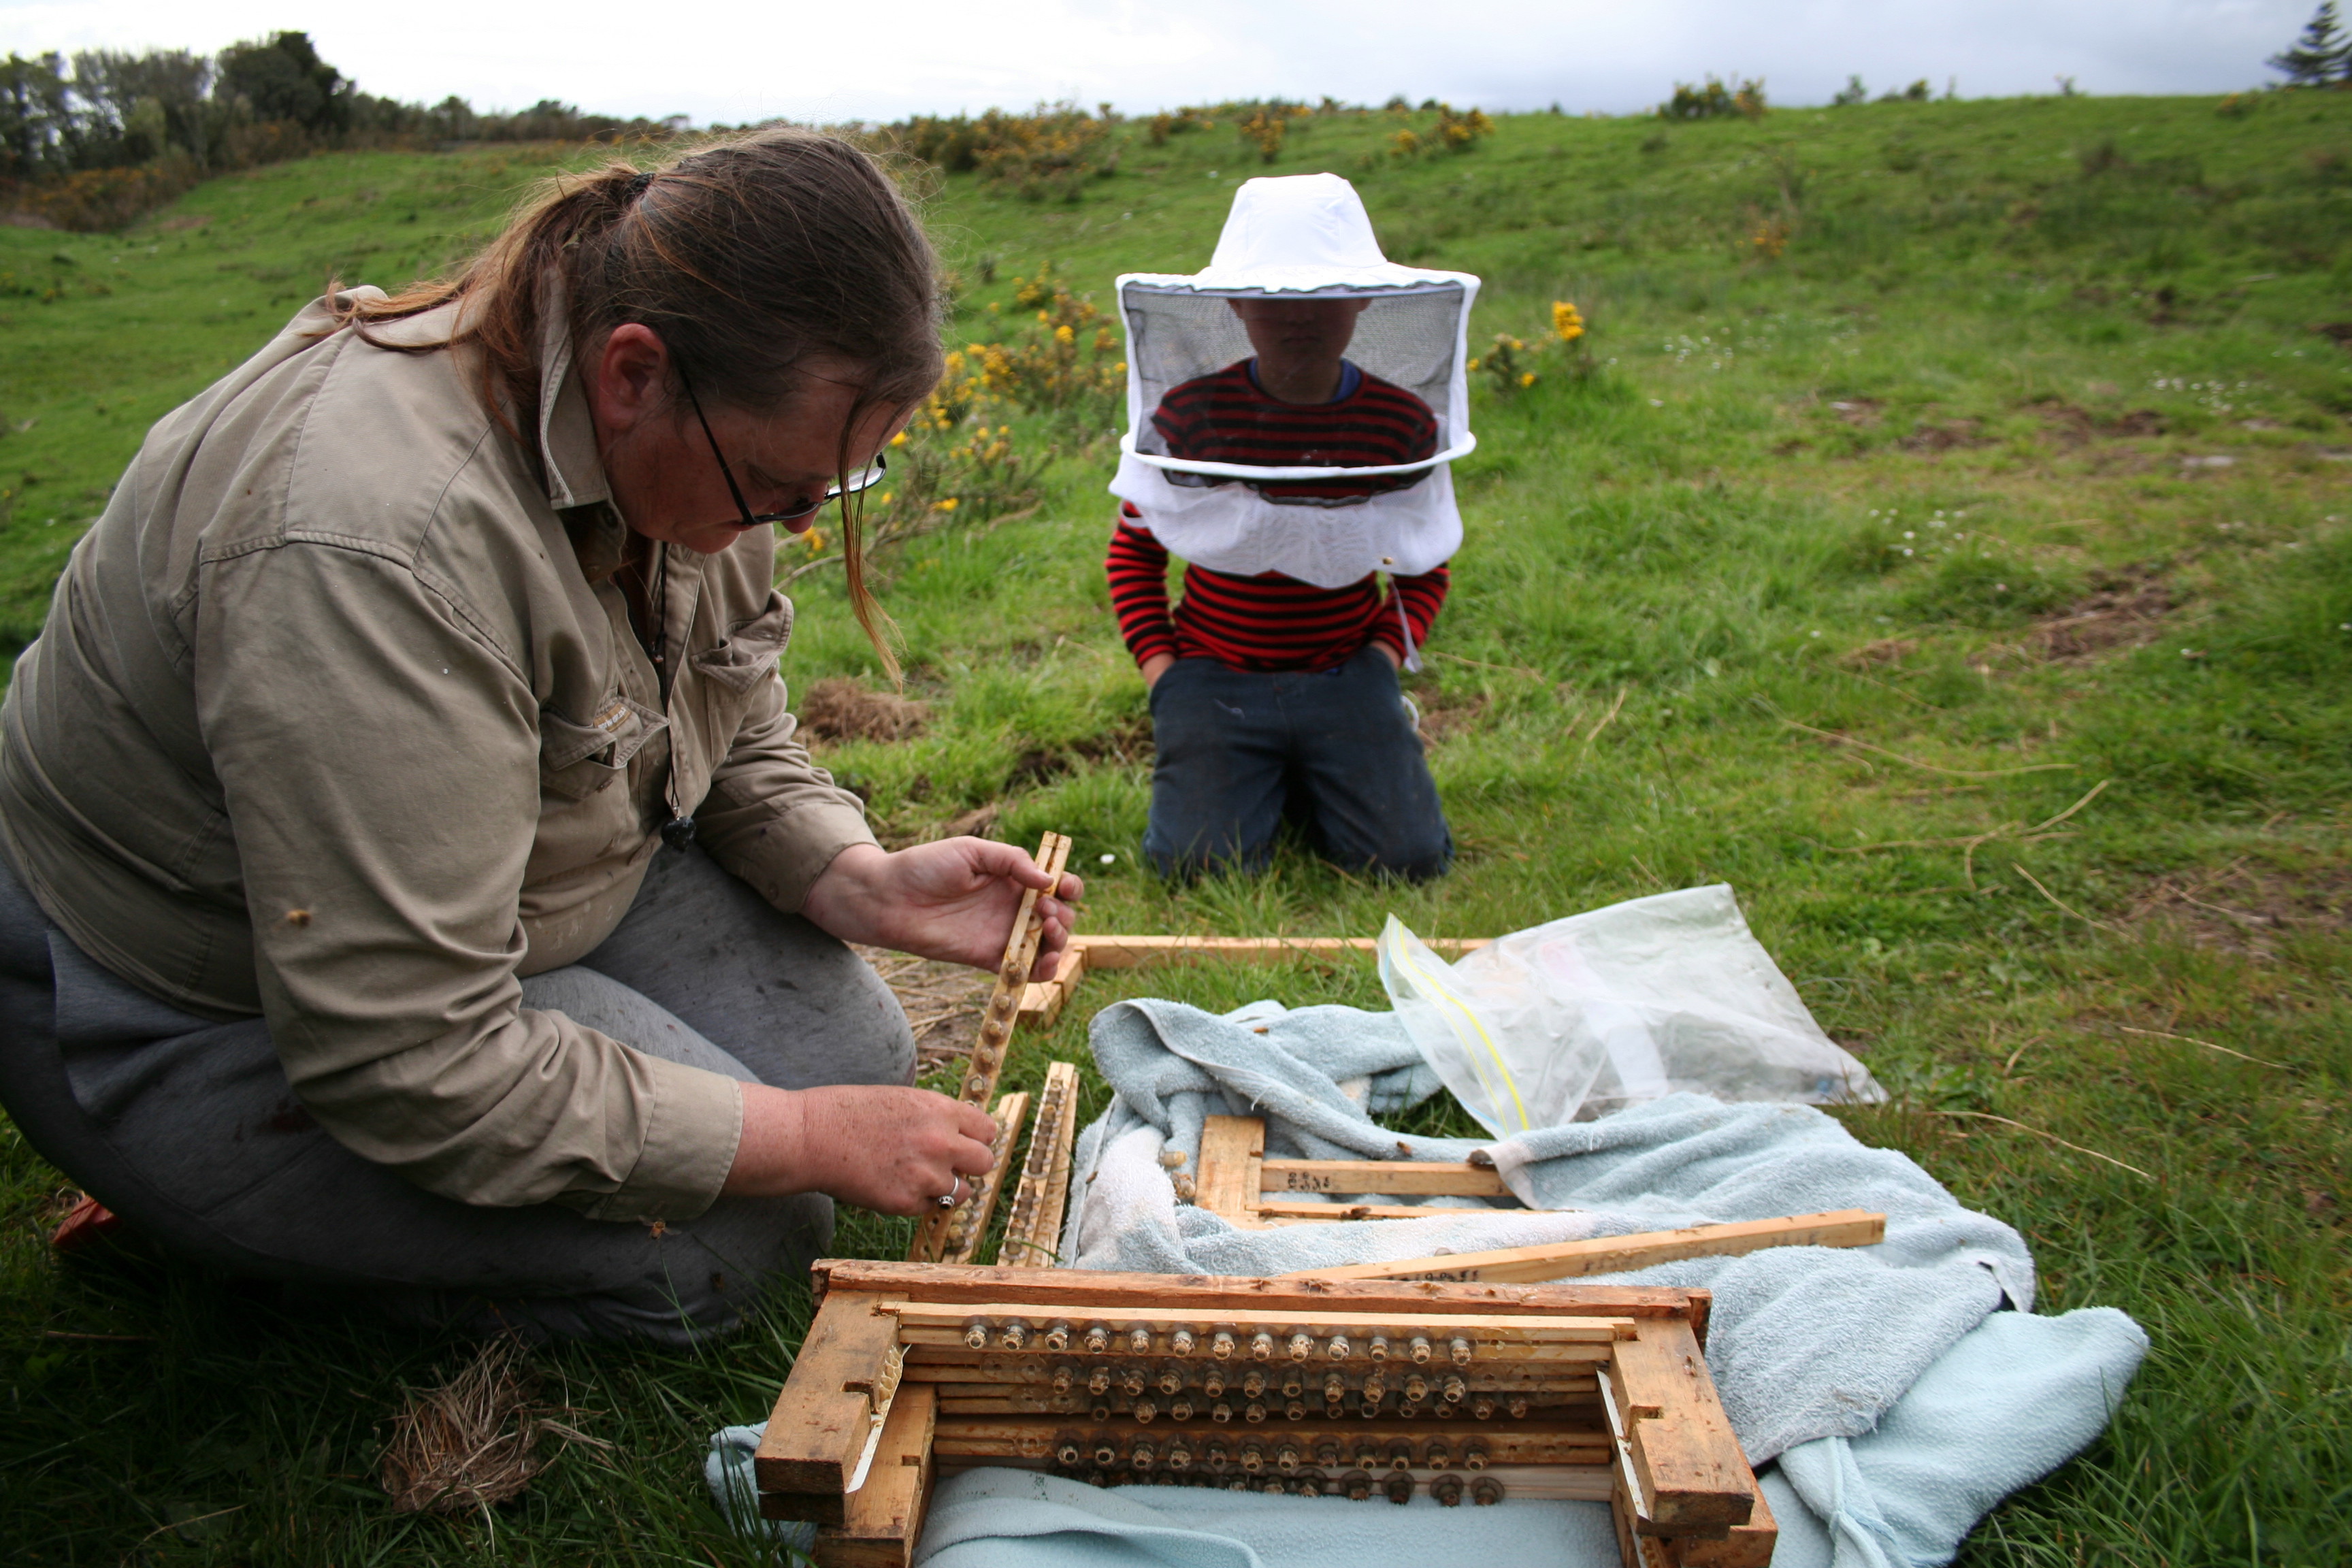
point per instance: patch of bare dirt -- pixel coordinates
(2123, 609)
(841, 708)
(1861, 412)
(1884, 651)
(1440, 724)
(1949, 436)
(944, 1003)
(2337, 332)
(1124, 744)
(2247, 909)
(2075, 426)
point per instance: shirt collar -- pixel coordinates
(567, 435)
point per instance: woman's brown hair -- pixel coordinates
(750, 257)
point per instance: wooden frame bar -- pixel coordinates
(1618, 1254)
(1351, 1389)
(1043, 1001)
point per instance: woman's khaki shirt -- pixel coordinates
(338, 717)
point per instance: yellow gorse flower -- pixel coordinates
(1567, 321)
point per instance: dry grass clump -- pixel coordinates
(840, 709)
(474, 1441)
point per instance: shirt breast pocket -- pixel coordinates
(751, 648)
(577, 759)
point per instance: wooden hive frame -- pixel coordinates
(1236, 1180)
(1463, 1392)
(952, 1234)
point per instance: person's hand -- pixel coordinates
(895, 1151)
(953, 900)
(1155, 667)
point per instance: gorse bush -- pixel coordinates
(1716, 100)
(1052, 151)
(1064, 361)
(1453, 132)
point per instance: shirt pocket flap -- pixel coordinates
(578, 760)
(751, 647)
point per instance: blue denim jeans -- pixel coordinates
(1333, 750)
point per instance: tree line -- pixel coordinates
(174, 116)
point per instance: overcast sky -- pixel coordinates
(729, 60)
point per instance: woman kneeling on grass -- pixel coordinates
(337, 940)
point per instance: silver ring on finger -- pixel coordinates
(949, 1199)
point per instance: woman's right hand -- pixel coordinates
(895, 1151)
(1155, 667)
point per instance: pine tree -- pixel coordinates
(2321, 56)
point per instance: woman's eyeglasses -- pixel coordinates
(863, 479)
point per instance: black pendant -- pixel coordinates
(678, 832)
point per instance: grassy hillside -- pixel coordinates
(1947, 549)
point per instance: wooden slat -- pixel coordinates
(1135, 951)
(1351, 1176)
(1692, 1472)
(1297, 1212)
(1532, 1483)
(1033, 1437)
(969, 1223)
(918, 1318)
(881, 1519)
(1232, 1149)
(818, 1429)
(987, 1058)
(1042, 1001)
(956, 1371)
(1616, 1253)
(1033, 1230)
(1075, 1292)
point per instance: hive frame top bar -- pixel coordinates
(1178, 1295)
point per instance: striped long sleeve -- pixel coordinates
(1139, 590)
(1265, 623)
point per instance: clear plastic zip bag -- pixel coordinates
(1570, 1020)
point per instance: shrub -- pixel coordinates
(1715, 100)
(1453, 132)
(1052, 151)
(97, 200)
(1265, 132)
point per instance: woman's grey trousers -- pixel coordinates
(189, 1131)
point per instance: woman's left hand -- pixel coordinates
(953, 900)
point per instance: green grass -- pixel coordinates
(1677, 574)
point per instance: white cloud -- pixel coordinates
(728, 60)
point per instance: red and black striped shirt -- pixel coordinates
(1270, 622)
(1226, 418)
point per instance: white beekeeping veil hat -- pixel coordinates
(1305, 235)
